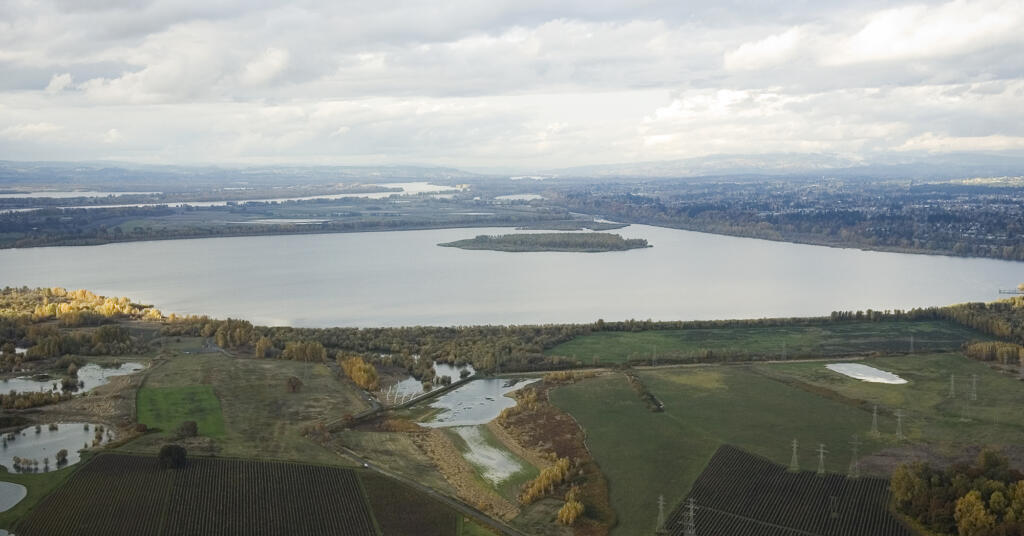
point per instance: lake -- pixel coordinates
(404, 278)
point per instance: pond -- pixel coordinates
(476, 402)
(42, 446)
(410, 387)
(865, 373)
(495, 464)
(10, 495)
(91, 376)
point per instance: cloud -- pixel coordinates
(58, 82)
(23, 131)
(511, 83)
(768, 52)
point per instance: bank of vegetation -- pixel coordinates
(570, 242)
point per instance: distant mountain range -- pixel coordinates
(891, 166)
(902, 166)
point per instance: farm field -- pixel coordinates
(646, 454)
(167, 407)
(260, 417)
(118, 494)
(745, 495)
(771, 342)
(931, 414)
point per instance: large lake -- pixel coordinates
(404, 278)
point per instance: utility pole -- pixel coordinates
(899, 425)
(874, 421)
(690, 527)
(854, 463)
(794, 462)
(821, 459)
(661, 516)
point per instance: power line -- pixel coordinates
(794, 462)
(821, 459)
(854, 471)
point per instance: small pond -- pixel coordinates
(411, 387)
(29, 444)
(10, 495)
(495, 465)
(476, 402)
(92, 375)
(865, 373)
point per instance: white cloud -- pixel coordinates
(58, 82)
(768, 52)
(921, 31)
(265, 67)
(511, 83)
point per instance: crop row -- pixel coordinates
(131, 495)
(740, 493)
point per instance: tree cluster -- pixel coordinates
(984, 499)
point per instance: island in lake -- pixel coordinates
(580, 242)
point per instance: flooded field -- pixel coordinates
(411, 387)
(495, 464)
(476, 402)
(89, 376)
(36, 448)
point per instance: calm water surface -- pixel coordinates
(404, 278)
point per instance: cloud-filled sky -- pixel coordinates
(518, 84)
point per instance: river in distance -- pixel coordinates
(403, 278)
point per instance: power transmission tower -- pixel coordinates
(690, 526)
(974, 386)
(874, 421)
(952, 386)
(854, 463)
(794, 462)
(899, 425)
(821, 459)
(661, 516)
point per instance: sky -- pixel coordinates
(520, 84)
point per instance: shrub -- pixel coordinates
(293, 384)
(188, 429)
(172, 456)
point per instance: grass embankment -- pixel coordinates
(37, 486)
(761, 408)
(167, 407)
(840, 338)
(261, 419)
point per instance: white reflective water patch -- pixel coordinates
(865, 373)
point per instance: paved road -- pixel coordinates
(461, 507)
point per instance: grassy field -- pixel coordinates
(931, 415)
(762, 407)
(167, 407)
(646, 454)
(397, 452)
(773, 342)
(260, 417)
